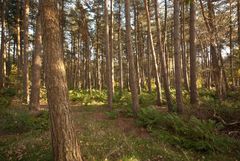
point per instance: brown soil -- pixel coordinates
(128, 126)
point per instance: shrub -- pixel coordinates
(86, 98)
(41, 122)
(4, 102)
(6, 95)
(9, 92)
(196, 134)
(16, 121)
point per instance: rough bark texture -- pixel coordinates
(155, 65)
(163, 60)
(3, 51)
(132, 73)
(19, 61)
(111, 48)
(218, 72)
(26, 52)
(98, 65)
(177, 58)
(238, 19)
(120, 49)
(193, 65)
(108, 58)
(184, 51)
(64, 141)
(36, 67)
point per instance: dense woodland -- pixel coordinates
(122, 80)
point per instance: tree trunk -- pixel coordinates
(136, 35)
(177, 58)
(3, 48)
(36, 67)
(219, 81)
(108, 58)
(99, 85)
(163, 60)
(19, 58)
(238, 21)
(155, 65)
(184, 51)
(149, 69)
(26, 52)
(132, 73)
(120, 49)
(64, 141)
(231, 44)
(193, 65)
(111, 49)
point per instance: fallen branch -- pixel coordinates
(233, 132)
(219, 118)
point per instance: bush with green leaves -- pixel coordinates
(16, 121)
(146, 99)
(4, 102)
(85, 97)
(6, 95)
(192, 133)
(9, 92)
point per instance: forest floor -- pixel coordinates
(103, 135)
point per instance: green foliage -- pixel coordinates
(9, 92)
(86, 98)
(146, 99)
(207, 95)
(4, 102)
(41, 121)
(112, 114)
(6, 95)
(123, 99)
(16, 121)
(199, 135)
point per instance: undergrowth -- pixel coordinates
(192, 133)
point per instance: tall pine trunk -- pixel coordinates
(132, 73)
(163, 60)
(64, 141)
(177, 58)
(155, 65)
(108, 57)
(36, 67)
(193, 65)
(26, 52)
(3, 47)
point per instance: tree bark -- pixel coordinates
(111, 48)
(163, 60)
(19, 58)
(99, 84)
(218, 72)
(3, 48)
(184, 51)
(64, 141)
(108, 57)
(193, 65)
(26, 52)
(231, 44)
(155, 65)
(36, 67)
(177, 58)
(132, 73)
(120, 49)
